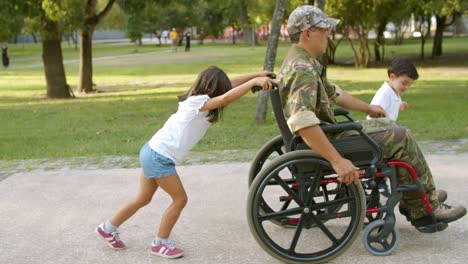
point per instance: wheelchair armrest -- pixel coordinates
(330, 128)
(340, 111)
(340, 127)
(343, 112)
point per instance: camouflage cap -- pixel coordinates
(307, 16)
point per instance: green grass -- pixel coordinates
(144, 93)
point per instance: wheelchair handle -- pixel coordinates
(259, 88)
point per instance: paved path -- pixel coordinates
(49, 217)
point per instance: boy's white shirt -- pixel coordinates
(182, 130)
(389, 100)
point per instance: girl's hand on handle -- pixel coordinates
(264, 82)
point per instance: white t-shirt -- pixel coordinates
(182, 130)
(389, 100)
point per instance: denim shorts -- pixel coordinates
(155, 165)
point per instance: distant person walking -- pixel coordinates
(187, 40)
(174, 37)
(158, 36)
(5, 56)
(165, 36)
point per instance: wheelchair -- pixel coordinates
(299, 212)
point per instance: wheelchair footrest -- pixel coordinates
(439, 226)
(428, 224)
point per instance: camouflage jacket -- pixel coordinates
(308, 98)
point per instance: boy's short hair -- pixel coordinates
(403, 66)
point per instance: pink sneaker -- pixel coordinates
(112, 239)
(166, 249)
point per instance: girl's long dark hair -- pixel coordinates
(213, 82)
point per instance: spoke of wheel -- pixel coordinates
(374, 238)
(325, 192)
(385, 244)
(324, 229)
(287, 181)
(285, 205)
(297, 234)
(315, 184)
(336, 202)
(279, 214)
(288, 190)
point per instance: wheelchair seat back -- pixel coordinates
(356, 149)
(359, 149)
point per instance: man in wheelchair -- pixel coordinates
(309, 99)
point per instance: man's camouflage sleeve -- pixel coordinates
(302, 100)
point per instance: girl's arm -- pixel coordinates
(236, 93)
(236, 81)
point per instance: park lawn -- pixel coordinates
(141, 89)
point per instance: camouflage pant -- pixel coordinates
(399, 144)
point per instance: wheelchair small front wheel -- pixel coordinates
(376, 242)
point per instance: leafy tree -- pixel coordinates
(400, 19)
(358, 17)
(151, 16)
(385, 12)
(443, 10)
(212, 17)
(152, 20)
(135, 28)
(115, 18)
(422, 12)
(246, 23)
(49, 16)
(31, 27)
(10, 19)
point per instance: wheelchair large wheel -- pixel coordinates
(272, 149)
(326, 225)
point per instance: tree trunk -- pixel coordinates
(248, 32)
(319, 3)
(439, 35)
(426, 34)
(33, 35)
(54, 70)
(262, 103)
(323, 58)
(423, 41)
(91, 19)
(331, 50)
(361, 58)
(380, 41)
(460, 27)
(355, 54)
(333, 45)
(86, 62)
